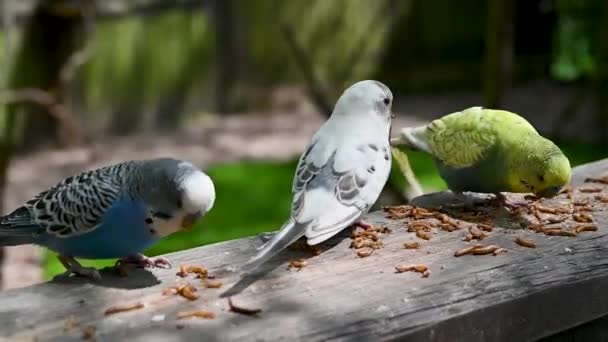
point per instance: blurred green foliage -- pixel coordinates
(137, 61)
(358, 29)
(255, 197)
(409, 44)
(575, 44)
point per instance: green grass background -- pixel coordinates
(254, 197)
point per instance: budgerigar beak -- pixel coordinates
(550, 191)
(189, 220)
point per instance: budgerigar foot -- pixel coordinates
(363, 224)
(142, 261)
(502, 200)
(471, 203)
(266, 236)
(74, 267)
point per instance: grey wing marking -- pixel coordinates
(77, 204)
(345, 185)
(305, 172)
(348, 188)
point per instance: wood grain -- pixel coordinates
(524, 294)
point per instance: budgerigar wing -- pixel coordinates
(332, 195)
(72, 207)
(462, 139)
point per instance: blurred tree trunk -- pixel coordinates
(601, 80)
(225, 40)
(50, 38)
(498, 56)
(129, 112)
(47, 43)
(170, 111)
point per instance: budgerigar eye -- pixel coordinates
(541, 178)
(387, 101)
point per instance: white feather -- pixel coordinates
(356, 140)
(198, 193)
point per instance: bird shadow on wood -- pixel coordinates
(136, 279)
(247, 279)
(198, 330)
(475, 211)
(443, 199)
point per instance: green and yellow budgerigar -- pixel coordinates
(490, 151)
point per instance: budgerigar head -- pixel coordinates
(547, 169)
(177, 193)
(197, 192)
(365, 98)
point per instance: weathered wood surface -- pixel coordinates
(521, 295)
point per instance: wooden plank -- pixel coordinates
(596, 330)
(524, 294)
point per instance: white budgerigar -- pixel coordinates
(341, 173)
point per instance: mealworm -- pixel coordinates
(485, 250)
(196, 313)
(583, 217)
(212, 284)
(411, 245)
(123, 308)
(585, 228)
(559, 232)
(485, 227)
(525, 243)
(423, 235)
(602, 180)
(365, 253)
(422, 269)
(299, 264)
(590, 190)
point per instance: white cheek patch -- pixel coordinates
(170, 226)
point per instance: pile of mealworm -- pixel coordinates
(366, 241)
(569, 215)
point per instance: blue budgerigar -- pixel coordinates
(115, 211)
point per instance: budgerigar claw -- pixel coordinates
(266, 236)
(508, 204)
(142, 261)
(363, 224)
(89, 272)
(162, 262)
(74, 267)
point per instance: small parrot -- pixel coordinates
(341, 173)
(490, 151)
(115, 211)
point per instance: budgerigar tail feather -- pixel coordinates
(18, 223)
(17, 228)
(288, 234)
(15, 240)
